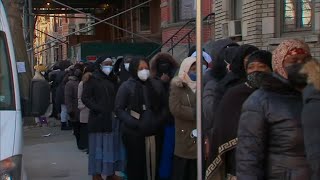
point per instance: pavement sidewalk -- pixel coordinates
(55, 157)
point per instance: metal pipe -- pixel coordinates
(51, 36)
(199, 87)
(91, 25)
(110, 24)
(31, 32)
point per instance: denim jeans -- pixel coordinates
(64, 114)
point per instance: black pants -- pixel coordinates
(184, 169)
(76, 132)
(83, 142)
(136, 156)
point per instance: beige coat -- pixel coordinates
(182, 103)
(84, 111)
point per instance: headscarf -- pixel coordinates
(184, 70)
(205, 56)
(282, 51)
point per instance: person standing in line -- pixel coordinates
(84, 111)
(224, 141)
(182, 103)
(163, 68)
(140, 109)
(106, 153)
(310, 116)
(71, 101)
(270, 137)
(39, 69)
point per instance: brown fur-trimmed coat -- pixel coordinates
(182, 103)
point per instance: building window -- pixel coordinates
(184, 10)
(297, 15)
(236, 9)
(143, 14)
(60, 22)
(81, 26)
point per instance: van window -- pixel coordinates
(6, 85)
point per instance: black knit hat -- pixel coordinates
(262, 56)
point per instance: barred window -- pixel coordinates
(297, 15)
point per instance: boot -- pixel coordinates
(64, 126)
(97, 177)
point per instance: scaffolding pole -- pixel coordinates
(99, 22)
(199, 88)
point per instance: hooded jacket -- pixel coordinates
(310, 117)
(270, 138)
(143, 98)
(182, 103)
(156, 75)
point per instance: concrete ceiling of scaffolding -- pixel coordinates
(88, 6)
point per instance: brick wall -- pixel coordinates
(169, 27)
(261, 24)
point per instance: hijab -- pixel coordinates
(184, 73)
(280, 53)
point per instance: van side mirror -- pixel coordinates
(39, 97)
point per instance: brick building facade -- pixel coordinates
(174, 14)
(263, 23)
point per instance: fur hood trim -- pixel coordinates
(177, 82)
(312, 69)
(86, 76)
(160, 57)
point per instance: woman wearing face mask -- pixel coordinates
(182, 102)
(229, 111)
(105, 153)
(270, 138)
(138, 107)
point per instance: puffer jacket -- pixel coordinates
(310, 117)
(151, 120)
(270, 138)
(182, 103)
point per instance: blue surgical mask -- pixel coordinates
(106, 69)
(193, 76)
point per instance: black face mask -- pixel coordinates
(296, 79)
(254, 79)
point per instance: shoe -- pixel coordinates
(97, 177)
(64, 126)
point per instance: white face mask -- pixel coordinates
(106, 69)
(126, 66)
(143, 74)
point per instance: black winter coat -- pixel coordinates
(151, 119)
(98, 95)
(311, 127)
(270, 138)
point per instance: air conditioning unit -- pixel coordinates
(234, 28)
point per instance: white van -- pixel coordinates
(10, 108)
(11, 139)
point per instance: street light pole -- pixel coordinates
(199, 86)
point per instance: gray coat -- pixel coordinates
(71, 98)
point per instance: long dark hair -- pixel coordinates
(134, 65)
